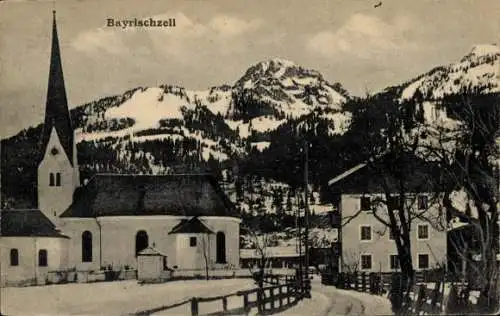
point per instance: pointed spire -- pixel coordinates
(56, 109)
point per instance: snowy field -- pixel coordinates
(114, 298)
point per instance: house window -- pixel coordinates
(192, 241)
(141, 241)
(58, 179)
(393, 203)
(393, 262)
(365, 203)
(87, 246)
(423, 261)
(423, 202)
(52, 181)
(366, 233)
(14, 257)
(423, 231)
(221, 248)
(42, 258)
(366, 262)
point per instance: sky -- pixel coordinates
(215, 41)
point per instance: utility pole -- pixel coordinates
(1, 209)
(306, 215)
(299, 241)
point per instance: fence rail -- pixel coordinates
(284, 293)
(361, 282)
(425, 301)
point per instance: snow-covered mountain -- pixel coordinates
(480, 70)
(477, 72)
(269, 93)
(288, 88)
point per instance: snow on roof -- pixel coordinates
(270, 252)
(346, 174)
(150, 251)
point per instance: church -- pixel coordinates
(106, 221)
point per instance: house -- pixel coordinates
(275, 257)
(366, 243)
(109, 219)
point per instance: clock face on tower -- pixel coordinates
(54, 151)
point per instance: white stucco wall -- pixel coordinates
(28, 247)
(231, 228)
(53, 200)
(194, 257)
(380, 247)
(149, 267)
(119, 233)
(74, 228)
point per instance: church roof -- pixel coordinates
(27, 223)
(191, 226)
(56, 108)
(142, 195)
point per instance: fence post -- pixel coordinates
(194, 306)
(224, 303)
(420, 299)
(288, 293)
(280, 291)
(363, 280)
(452, 305)
(246, 306)
(260, 301)
(435, 296)
(271, 294)
(356, 283)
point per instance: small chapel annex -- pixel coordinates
(110, 218)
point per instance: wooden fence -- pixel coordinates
(463, 299)
(286, 292)
(362, 282)
(427, 301)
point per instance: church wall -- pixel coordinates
(193, 257)
(74, 228)
(119, 234)
(231, 228)
(28, 271)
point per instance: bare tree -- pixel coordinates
(205, 248)
(351, 261)
(260, 243)
(398, 174)
(468, 150)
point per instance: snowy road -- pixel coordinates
(330, 301)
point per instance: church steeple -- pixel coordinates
(56, 108)
(58, 174)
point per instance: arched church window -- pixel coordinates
(86, 246)
(42, 258)
(14, 257)
(221, 248)
(58, 179)
(51, 179)
(141, 241)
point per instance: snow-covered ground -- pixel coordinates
(114, 298)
